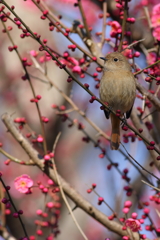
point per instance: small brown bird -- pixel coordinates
(118, 89)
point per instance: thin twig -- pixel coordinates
(2, 207)
(132, 44)
(84, 19)
(107, 156)
(14, 207)
(104, 23)
(16, 160)
(55, 18)
(61, 189)
(149, 114)
(65, 112)
(123, 25)
(115, 214)
(138, 72)
(147, 16)
(60, 30)
(151, 185)
(157, 91)
(140, 164)
(32, 88)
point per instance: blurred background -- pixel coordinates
(78, 161)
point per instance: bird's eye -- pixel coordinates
(115, 59)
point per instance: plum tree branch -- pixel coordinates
(68, 190)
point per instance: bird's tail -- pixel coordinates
(115, 136)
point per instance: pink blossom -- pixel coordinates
(156, 9)
(134, 215)
(23, 183)
(68, 1)
(34, 53)
(127, 52)
(151, 58)
(39, 139)
(128, 204)
(50, 204)
(115, 28)
(125, 210)
(43, 59)
(155, 19)
(76, 69)
(39, 212)
(156, 33)
(73, 60)
(47, 157)
(50, 182)
(133, 224)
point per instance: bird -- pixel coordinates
(118, 90)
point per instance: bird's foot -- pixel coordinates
(107, 112)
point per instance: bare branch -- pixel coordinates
(62, 192)
(151, 185)
(141, 125)
(84, 19)
(104, 23)
(16, 160)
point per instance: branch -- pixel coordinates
(136, 73)
(123, 25)
(15, 209)
(157, 189)
(104, 23)
(16, 160)
(62, 192)
(138, 125)
(149, 95)
(132, 44)
(69, 191)
(6, 235)
(139, 164)
(84, 19)
(32, 89)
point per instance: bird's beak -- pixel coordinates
(103, 58)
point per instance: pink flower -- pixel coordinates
(151, 58)
(76, 69)
(68, 1)
(128, 204)
(50, 204)
(23, 183)
(127, 52)
(156, 33)
(155, 19)
(133, 224)
(34, 53)
(156, 9)
(125, 210)
(73, 61)
(115, 28)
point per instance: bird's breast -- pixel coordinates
(118, 89)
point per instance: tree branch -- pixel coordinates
(68, 190)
